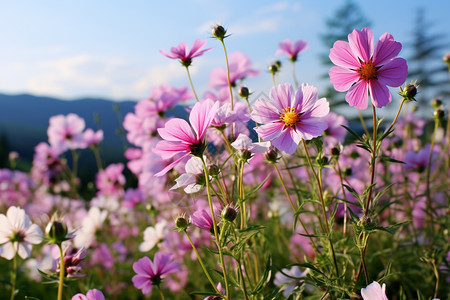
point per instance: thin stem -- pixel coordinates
(242, 195)
(430, 156)
(284, 187)
(13, 277)
(436, 274)
(98, 159)
(244, 289)
(61, 272)
(201, 262)
(228, 77)
(374, 156)
(273, 79)
(192, 85)
(398, 113)
(344, 231)
(222, 262)
(160, 292)
(293, 75)
(319, 184)
(361, 118)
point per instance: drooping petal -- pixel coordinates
(358, 96)
(168, 149)
(393, 73)
(380, 94)
(141, 282)
(201, 117)
(361, 43)
(23, 250)
(386, 49)
(342, 79)
(265, 112)
(171, 166)
(284, 142)
(341, 55)
(269, 131)
(281, 96)
(177, 130)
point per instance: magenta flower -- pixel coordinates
(93, 294)
(66, 132)
(180, 138)
(374, 292)
(92, 138)
(111, 181)
(361, 68)
(151, 273)
(292, 49)
(181, 52)
(288, 118)
(202, 219)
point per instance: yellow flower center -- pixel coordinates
(367, 71)
(289, 116)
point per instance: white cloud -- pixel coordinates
(251, 26)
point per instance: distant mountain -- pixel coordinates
(24, 120)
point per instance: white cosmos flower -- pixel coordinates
(17, 233)
(188, 180)
(85, 236)
(153, 236)
(288, 284)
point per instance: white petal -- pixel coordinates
(7, 251)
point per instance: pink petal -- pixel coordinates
(342, 79)
(380, 93)
(320, 109)
(386, 49)
(195, 50)
(168, 149)
(358, 96)
(177, 130)
(265, 112)
(361, 43)
(341, 55)
(281, 95)
(307, 98)
(201, 117)
(393, 73)
(143, 267)
(311, 128)
(140, 282)
(269, 131)
(170, 166)
(285, 142)
(180, 51)
(167, 54)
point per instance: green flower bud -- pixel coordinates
(436, 103)
(229, 213)
(219, 32)
(56, 231)
(273, 68)
(439, 114)
(271, 155)
(214, 170)
(244, 92)
(181, 223)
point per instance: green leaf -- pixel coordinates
(254, 190)
(390, 159)
(354, 134)
(265, 278)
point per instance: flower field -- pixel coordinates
(277, 198)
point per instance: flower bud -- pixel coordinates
(181, 223)
(436, 103)
(322, 160)
(273, 68)
(409, 91)
(214, 170)
(229, 213)
(278, 64)
(335, 151)
(439, 114)
(271, 155)
(244, 92)
(56, 231)
(446, 58)
(219, 32)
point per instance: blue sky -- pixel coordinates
(110, 49)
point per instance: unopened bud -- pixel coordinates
(409, 91)
(229, 213)
(214, 170)
(181, 223)
(273, 68)
(322, 160)
(244, 92)
(335, 151)
(436, 103)
(446, 58)
(56, 232)
(439, 114)
(219, 32)
(271, 155)
(278, 64)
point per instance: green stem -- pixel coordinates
(242, 195)
(430, 156)
(13, 277)
(222, 262)
(160, 292)
(361, 118)
(98, 159)
(273, 79)
(201, 262)
(228, 77)
(293, 75)
(373, 160)
(344, 231)
(192, 85)
(61, 272)
(324, 211)
(396, 117)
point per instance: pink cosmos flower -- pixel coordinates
(288, 118)
(374, 292)
(361, 68)
(181, 52)
(17, 233)
(66, 132)
(111, 181)
(151, 273)
(180, 138)
(239, 66)
(73, 262)
(292, 49)
(92, 138)
(93, 294)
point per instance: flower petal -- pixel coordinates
(361, 43)
(386, 49)
(311, 128)
(281, 96)
(380, 93)
(201, 117)
(171, 166)
(177, 130)
(342, 55)
(168, 149)
(358, 96)
(393, 73)
(269, 131)
(342, 79)
(144, 267)
(285, 142)
(265, 112)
